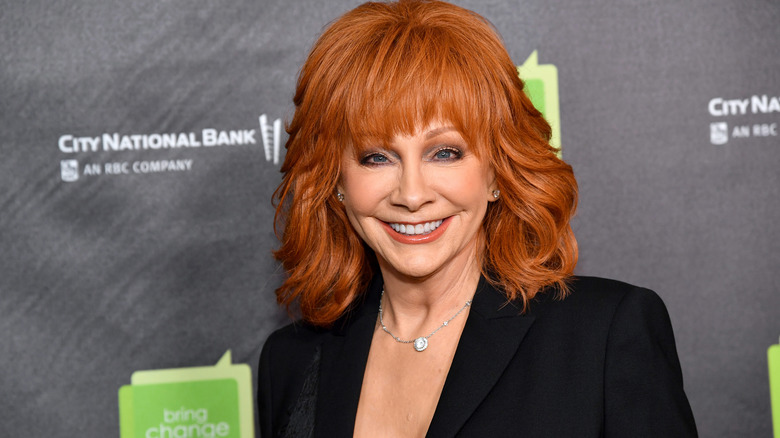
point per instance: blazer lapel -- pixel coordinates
(342, 366)
(491, 337)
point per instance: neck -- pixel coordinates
(412, 304)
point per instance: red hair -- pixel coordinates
(385, 69)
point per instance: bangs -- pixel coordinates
(408, 76)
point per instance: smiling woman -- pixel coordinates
(422, 204)
(394, 69)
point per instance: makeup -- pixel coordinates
(417, 238)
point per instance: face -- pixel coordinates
(419, 201)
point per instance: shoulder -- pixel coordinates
(598, 311)
(641, 369)
(594, 296)
(296, 334)
(622, 334)
(289, 351)
(624, 302)
(605, 290)
(292, 345)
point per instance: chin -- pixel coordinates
(416, 270)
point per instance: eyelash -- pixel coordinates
(456, 154)
(366, 160)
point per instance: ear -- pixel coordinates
(492, 185)
(339, 191)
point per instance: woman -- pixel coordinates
(430, 256)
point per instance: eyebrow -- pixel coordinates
(434, 132)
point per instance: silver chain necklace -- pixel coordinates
(420, 343)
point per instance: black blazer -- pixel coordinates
(600, 363)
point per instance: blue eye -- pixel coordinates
(374, 159)
(447, 154)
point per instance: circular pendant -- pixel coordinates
(420, 344)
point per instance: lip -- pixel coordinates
(417, 238)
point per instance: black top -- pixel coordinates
(600, 363)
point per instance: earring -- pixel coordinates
(340, 197)
(496, 194)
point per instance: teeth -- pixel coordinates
(411, 230)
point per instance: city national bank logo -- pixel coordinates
(86, 147)
(719, 133)
(541, 86)
(69, 170)
(188, 402)
(752, 116)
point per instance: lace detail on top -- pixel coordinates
(301, 424)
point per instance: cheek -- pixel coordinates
(470, 186)
(362, 192)
(363, 196)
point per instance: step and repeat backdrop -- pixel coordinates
(141, 141)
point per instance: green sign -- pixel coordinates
(541, 86)
(773, 355)
(198, 402)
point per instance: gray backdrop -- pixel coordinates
(147, 266)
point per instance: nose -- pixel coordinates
(413, 190)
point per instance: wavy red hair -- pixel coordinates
(385, 69)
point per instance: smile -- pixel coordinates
(422, 232)
(414, 229)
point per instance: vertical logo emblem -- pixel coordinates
(719, 133)
(541, 86)
(271, 136)
(69, 170)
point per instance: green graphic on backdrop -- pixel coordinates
(197, 402)
(541, 86)
(773, 354)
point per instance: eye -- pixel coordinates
(447, 154)
(374, 159)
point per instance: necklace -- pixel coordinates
(420, 343)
